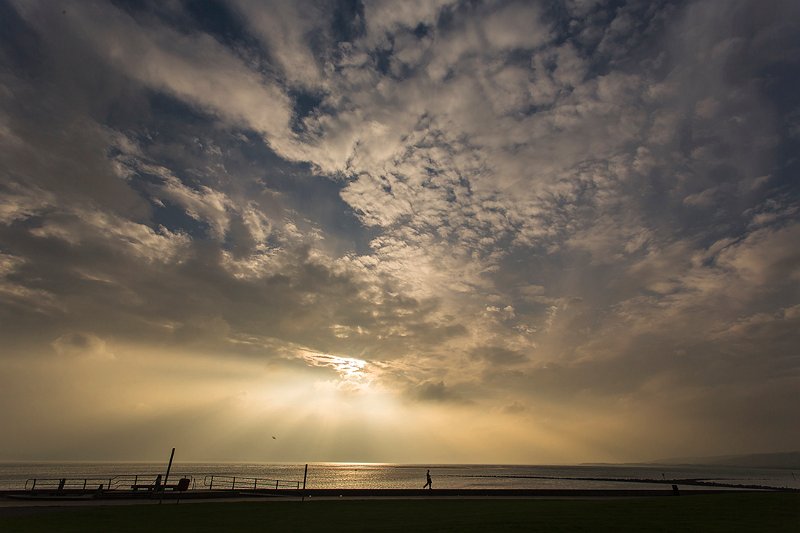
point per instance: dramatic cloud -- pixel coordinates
(570, 225)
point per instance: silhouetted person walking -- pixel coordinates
(429, 484)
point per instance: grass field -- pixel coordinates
(707, 513)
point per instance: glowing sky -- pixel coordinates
(412, 231)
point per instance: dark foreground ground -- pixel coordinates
(702, 512)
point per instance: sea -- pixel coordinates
(22, 475)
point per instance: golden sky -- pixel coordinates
(427, 232)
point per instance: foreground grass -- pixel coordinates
(707, 513)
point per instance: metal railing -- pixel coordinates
(68, 483)
(248, 483)
(120, 482)
(148, 482)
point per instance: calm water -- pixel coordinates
(350, 475)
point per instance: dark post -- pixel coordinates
(305, 476)
(169, 466)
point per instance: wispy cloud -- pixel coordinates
(582, 206)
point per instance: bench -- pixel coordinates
(181, 485)
(156, 485)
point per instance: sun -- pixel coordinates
(353, 372)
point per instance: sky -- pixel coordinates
(419, 231)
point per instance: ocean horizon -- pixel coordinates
(18, 475)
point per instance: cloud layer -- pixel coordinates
(572, 224)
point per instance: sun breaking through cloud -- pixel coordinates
(380, 228)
